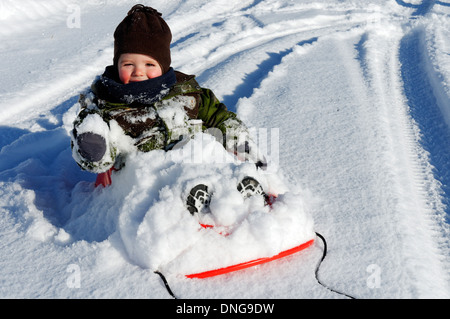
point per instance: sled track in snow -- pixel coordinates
(427, 103)
(422, 8)
(256, 44)
(425, 109)
(255, 78)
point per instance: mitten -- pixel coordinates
(91, 146)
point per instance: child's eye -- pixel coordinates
(150, 64)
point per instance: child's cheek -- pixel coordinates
(124, 76)
(154, 73)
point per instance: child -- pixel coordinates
(140, 103)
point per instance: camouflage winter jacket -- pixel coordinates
(126, 124)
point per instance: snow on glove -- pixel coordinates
(91, 146)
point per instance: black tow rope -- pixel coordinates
(318, 266)
(166, 284)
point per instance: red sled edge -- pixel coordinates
(221, 271)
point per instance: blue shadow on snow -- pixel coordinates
(253, 80)
(424, 109)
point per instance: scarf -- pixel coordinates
(108, 87)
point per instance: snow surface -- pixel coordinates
(352, 99)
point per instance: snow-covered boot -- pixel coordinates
(198, 199)
(250, 187)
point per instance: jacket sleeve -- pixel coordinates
(235, 134)
(90, 139)
(213, 113)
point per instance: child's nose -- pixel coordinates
(138, 71)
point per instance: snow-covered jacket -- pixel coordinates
(115, 120)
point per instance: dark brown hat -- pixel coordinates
(143, 31)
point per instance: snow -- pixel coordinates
(350, 99)
(158, 233)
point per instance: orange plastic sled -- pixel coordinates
(221, 271)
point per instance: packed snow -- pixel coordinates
(350, 100)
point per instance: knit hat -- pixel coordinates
(143, 31)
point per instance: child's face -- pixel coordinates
(135, 67)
